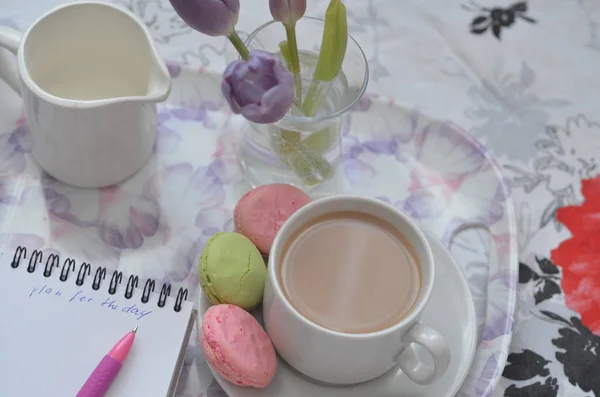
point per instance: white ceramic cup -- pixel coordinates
(90, 77)
(341, 358)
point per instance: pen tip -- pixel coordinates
(134, 330)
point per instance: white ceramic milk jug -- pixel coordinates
(90, 78)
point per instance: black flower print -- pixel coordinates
(576, 346)
(526, 366)
(546, 282)
(577, 349)
(497, 18)
(529, 370)
(548, 389)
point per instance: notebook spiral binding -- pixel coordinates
(85, 270)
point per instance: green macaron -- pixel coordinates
(232, 271)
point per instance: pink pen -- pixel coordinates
(104, 374)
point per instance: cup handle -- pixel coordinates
(9, 40)
(435, 344)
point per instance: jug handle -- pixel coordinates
(9, 40)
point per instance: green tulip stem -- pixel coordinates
(239, 45)
(290, 31)
(307, 162)
(331, 56)
(313, 98)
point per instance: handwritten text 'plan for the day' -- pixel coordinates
(79, 298)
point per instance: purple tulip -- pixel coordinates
(287, 11)
(260, 88)
(211, 17)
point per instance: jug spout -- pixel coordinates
(90, 54)
(159, 84)
(159, 78)
(143, 75)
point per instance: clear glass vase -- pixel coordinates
(299, 150)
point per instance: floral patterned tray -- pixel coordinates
(156, 223)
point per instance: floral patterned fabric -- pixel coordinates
(520, 76)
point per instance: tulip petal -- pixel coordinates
(228, 94)
(211, 17)
(228, 83)
(274, 105)
(279, 99)
(287, 11)
(254, 113)
(260, 88)
(282, 75)
(233, 5)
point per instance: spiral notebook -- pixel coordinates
(58, 318)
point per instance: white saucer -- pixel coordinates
(450, 310)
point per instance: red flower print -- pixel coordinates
(579, 256)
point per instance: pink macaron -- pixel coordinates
(237, 347)
(260, 213)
